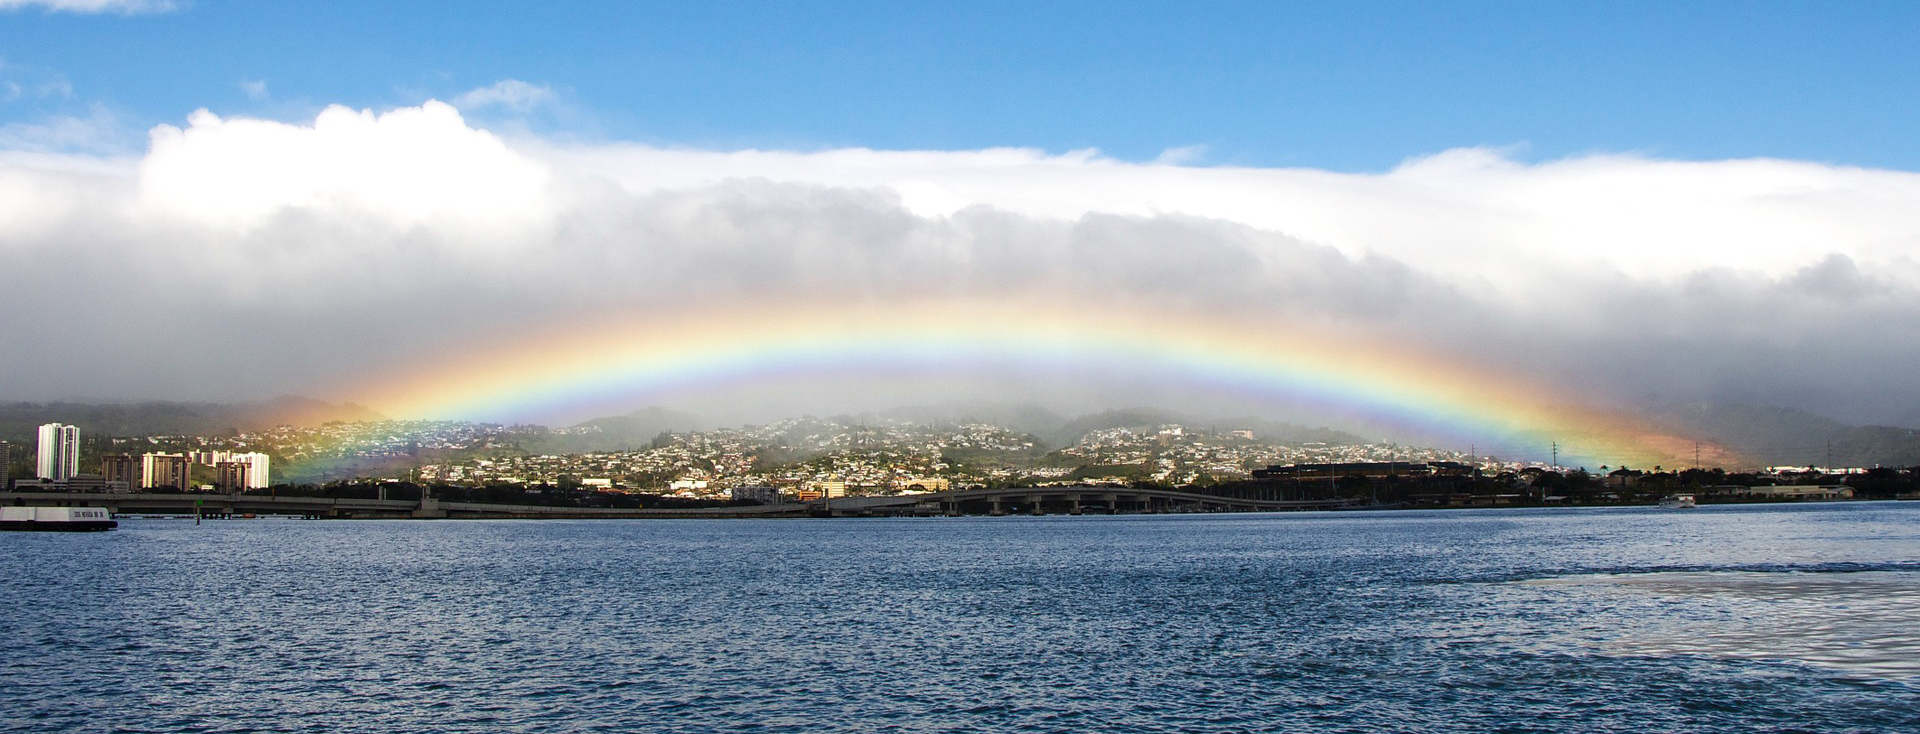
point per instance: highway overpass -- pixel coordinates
(1009, 501)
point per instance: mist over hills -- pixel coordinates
(1025, 418)
(1055, 430)
(18, 421)
(631, 430)
(1266, 430)
(1761, 435)
(1777, 436)
(1050, 429)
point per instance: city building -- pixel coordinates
(160, 471)
(59, 448)
(922, 485)
(77, 483)
(762, 494)
(6, 465)
(1333, 471)
(120, 468)
(231, 476)
(256, 462)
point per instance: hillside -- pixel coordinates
(1774, 436)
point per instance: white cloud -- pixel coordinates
(364, 233)
(256, 89)
(1181, 155)
(26, 82)
(510, 94)
(58, 88)
(125, 7)
(98, 132)
(417, 166)
(1468, 213)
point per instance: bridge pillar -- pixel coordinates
(997, 508)
(429, 507)
(1035, 500)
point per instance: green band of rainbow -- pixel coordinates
(648, 357)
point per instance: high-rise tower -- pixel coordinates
(256, 463)
(59, 452)
(164, 471)
(120, 468)
(231, 476)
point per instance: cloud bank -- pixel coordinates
(243, 257)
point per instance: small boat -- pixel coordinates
(69, 519)
(1677, 501)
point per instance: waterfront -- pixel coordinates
(1730, 618)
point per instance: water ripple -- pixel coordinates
(1726, 619)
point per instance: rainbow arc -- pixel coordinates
(652, 357)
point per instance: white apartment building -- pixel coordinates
(164, 470)
(256, 464)
(256, 469)
(59, 452)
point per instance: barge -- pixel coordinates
(71, 519)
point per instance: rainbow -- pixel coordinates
(645, 357)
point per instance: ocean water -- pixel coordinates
(1720, 619)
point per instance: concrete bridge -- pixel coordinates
(1021, 501)
(219, 506)
(1061, 501)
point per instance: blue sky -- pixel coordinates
(1342, 86)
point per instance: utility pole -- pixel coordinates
(1696, 454)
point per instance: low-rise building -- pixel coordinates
(758, 493)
